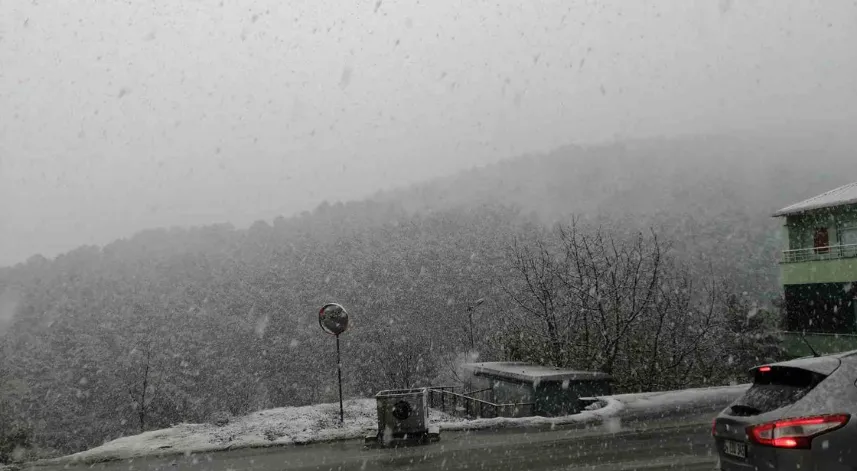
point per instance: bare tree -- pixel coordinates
(590, 298)
(145, 365)
(536, 290)
(140, 372)
(612, 283)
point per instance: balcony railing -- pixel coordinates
(833, 252)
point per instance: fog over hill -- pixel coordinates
(712, 195)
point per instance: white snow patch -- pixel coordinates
(283, 426)
(317, 423)
(651, 402)
(615, 407)
(611, 407)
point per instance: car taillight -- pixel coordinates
(795, 433)
(714, 428)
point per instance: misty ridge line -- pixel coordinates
(625, 167)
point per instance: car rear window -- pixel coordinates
(776, 388)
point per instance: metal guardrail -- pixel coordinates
(473, 408)
(818, 334)
(832, 252)
(478, 391)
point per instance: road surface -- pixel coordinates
(639, 444)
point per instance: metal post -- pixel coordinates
(470, 310)
(339, 373)
(470, 313)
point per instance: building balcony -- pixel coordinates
(814, 254)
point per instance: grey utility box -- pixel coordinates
(402, 412)
(403, 418)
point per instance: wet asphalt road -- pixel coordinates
(643, 444)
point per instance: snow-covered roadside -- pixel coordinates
(671, 400)
(273, 427)
(617, 407)
(609, 408)
(319, 423)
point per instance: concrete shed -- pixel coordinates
(551, 391)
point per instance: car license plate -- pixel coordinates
(735, 449)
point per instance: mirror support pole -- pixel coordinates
(339, 373)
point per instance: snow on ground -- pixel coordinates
(671, 400)
(300, 425)
(616, 407)
(609, 408)
(283, 426)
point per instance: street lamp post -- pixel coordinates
(470, 310)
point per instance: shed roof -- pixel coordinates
(527, 372)
(837, 197)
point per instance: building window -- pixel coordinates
(821, 241)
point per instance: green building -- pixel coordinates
(818, 271)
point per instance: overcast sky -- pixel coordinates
(121, 115)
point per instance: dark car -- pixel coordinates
(797, 415)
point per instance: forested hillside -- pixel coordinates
(183, 325)
(177, 325)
